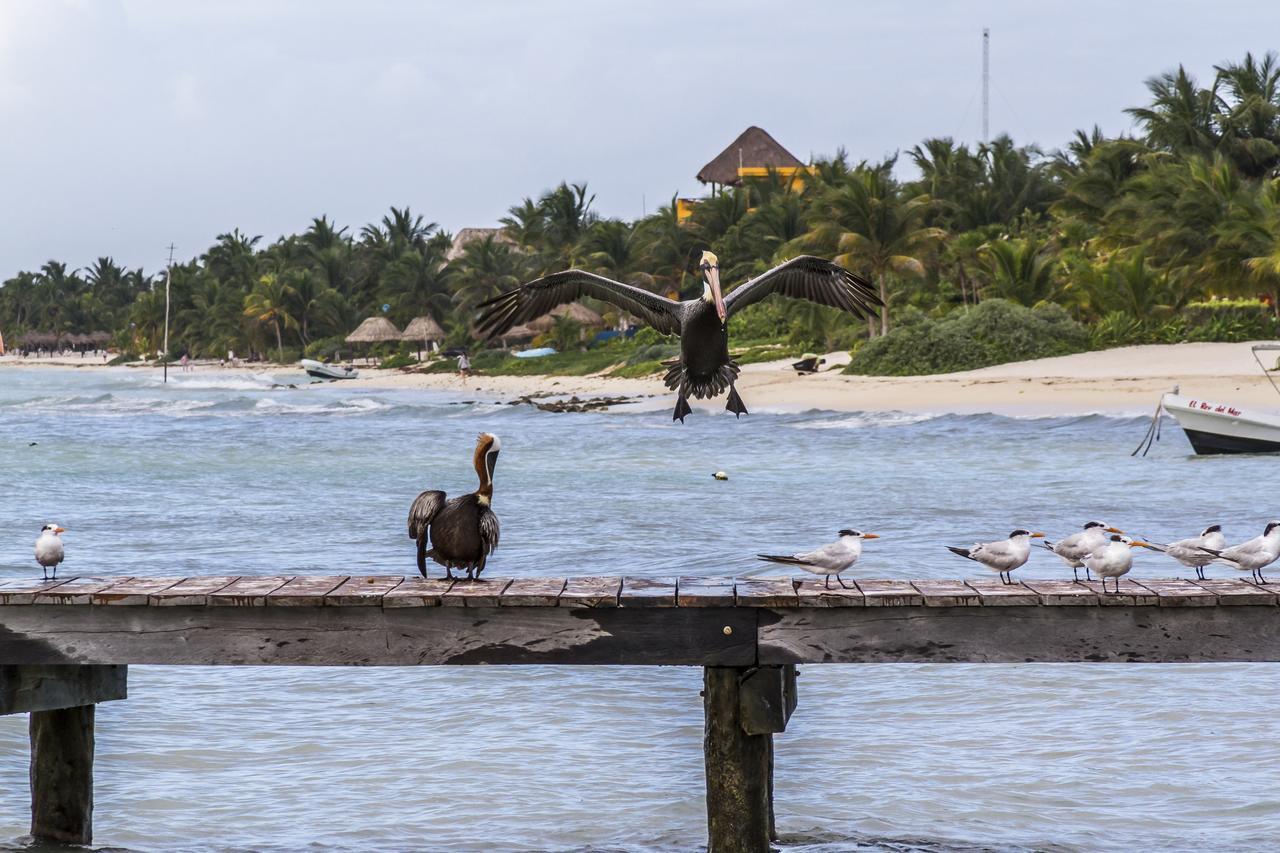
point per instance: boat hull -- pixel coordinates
(320, 370)
(1214, 428)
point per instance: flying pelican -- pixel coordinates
(1113, 559)
(49, 551)
(1254, 555)
(1003, 556)
(1075, 547)
(463, 531)
(704, 368)
(1191, 553)
(830, 559)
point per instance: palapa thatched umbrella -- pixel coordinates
(99, 339)
(423, 330)
(374, 330)
(575, 311)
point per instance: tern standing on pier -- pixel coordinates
(830, 559)
(49, 551)
(1003, 556)
(1191, 552)
(1114, 559)
(1077, 546)
(1254, 555)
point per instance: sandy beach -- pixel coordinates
(1124, 380)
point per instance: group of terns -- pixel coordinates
(1098, 549)
(1105, 551)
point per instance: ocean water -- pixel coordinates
(227, 474)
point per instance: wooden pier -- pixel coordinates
(65, 645)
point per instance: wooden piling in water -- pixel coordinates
(62, 775)
(737, 766)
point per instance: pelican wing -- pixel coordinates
(423, 510)
(814, 279)
(489, 530)
(530, 301)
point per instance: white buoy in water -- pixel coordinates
(720, 475)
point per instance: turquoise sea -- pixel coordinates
(222, 473)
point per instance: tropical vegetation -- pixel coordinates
(993, 251)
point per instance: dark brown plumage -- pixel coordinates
(704, 368)
(463, 532)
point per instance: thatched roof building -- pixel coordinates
(755, 150)
(423, 328)
(575, 311)
(467, 236)
(373, 330)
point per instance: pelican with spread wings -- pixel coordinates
(704, 368)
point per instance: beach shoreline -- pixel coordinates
(1128, 380)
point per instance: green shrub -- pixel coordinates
(994, 332)
(397, 361)
(123, 358)
(331, 347)
(1229, 320)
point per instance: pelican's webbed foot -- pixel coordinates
(734, 403)
(682, 409)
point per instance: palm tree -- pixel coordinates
(1181, 116)
(485, 269)
(1250, 120)
(269, 302)
(1022, 270)
(869, 226)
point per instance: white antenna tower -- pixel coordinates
(986, 84)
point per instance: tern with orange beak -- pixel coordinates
(1003, 556)
(830, 559)
(704, 369)
(49, 551)
(1114, 559)
(1074, 548)
(463, 532)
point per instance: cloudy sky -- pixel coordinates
(129, 124)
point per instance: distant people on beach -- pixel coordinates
(464, 365)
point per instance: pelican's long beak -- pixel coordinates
(59, 530)
(713, 280)
(871, 536)
(1037, 535)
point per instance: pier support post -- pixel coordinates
(744, 707)
(61, 700)
(62, 775)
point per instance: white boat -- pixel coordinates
(1214, 427)
(320, 370)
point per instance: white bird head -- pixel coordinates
(1106, 528)
(1021, 532)
(857, 534)
(53, 529)
(710, 266)
(1273, 529)
(1132, 543)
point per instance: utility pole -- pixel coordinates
(168, 276)
(986, 84)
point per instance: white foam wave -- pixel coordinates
(237, 382)
(865, 420)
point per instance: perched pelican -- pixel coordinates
(1191, 553)
(1003, 556)
(704, 368)
(49, 551)
(1113, 559)
(830, 559)
(463, 531)
(1075, 547)
(1254, 555)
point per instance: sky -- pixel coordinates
(127, 125)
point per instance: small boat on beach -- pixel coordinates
(320, 370)
(1214, 427)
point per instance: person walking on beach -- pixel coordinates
(464, 365)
